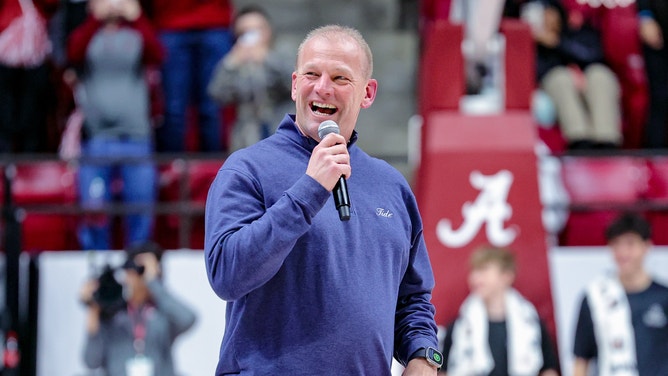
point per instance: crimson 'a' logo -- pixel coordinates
(491, 207)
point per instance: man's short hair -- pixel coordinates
(628, 223)
(493, 255)
(339, 31)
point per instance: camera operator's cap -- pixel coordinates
(139, 248)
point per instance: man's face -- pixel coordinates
(489, 280)
(629, 252)
(329, 84)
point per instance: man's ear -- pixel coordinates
(370, 94)
(293, 91)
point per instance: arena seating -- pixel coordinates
(185, 183)
(657, 198)
(623, 52)
(599, 187)
(45, 185)
(45, 194)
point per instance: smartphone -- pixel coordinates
(250, 37)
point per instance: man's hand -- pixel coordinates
(419, 367)
(329, 160)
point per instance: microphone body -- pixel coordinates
(340, 191)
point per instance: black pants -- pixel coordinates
(656, 128)
(23, 94)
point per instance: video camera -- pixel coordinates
(109, 294)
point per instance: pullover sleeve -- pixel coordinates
(245, 242)
(415, 326)
(179, 315)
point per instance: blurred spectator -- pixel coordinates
(254, 77)
(623, 318)
(196, 36)
(24, 75)
(132, 325)
(69, 16)
(482, 46)
(653, 31)
(498, 331)
(572, 71)
(75, 13)
(111, 49)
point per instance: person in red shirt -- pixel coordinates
(196, 35)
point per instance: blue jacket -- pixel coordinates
(307, 293)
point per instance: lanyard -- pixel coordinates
(138, 319)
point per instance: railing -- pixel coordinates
(183, 183)
(33, 192)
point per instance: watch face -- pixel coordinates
(434, 357)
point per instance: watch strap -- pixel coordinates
(424, 352)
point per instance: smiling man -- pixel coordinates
(308, 293)
(623, 320)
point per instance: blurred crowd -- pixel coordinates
(595, 63)
(208, 82)
(112, 82)
(134, 69)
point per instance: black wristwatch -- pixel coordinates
(433, 356)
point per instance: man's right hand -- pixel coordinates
(329, 160)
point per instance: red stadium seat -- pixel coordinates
(192, 180)
(45, 183)
(605, 180)
(520, 52)
(624, 54)
(599, 187)
(658, 195)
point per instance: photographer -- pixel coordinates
(136, 336)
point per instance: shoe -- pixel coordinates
(581, 145)
(606, 145)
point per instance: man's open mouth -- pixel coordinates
(323, 108)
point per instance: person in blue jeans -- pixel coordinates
(110, 50)
(196, 35)
(95, 189)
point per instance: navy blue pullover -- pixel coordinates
(307, 293)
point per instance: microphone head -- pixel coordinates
(327, 127)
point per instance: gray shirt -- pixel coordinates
(114, 94)
(113, 345)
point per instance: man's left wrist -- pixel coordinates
(430, 355)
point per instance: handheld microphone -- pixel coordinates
(340, 191)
